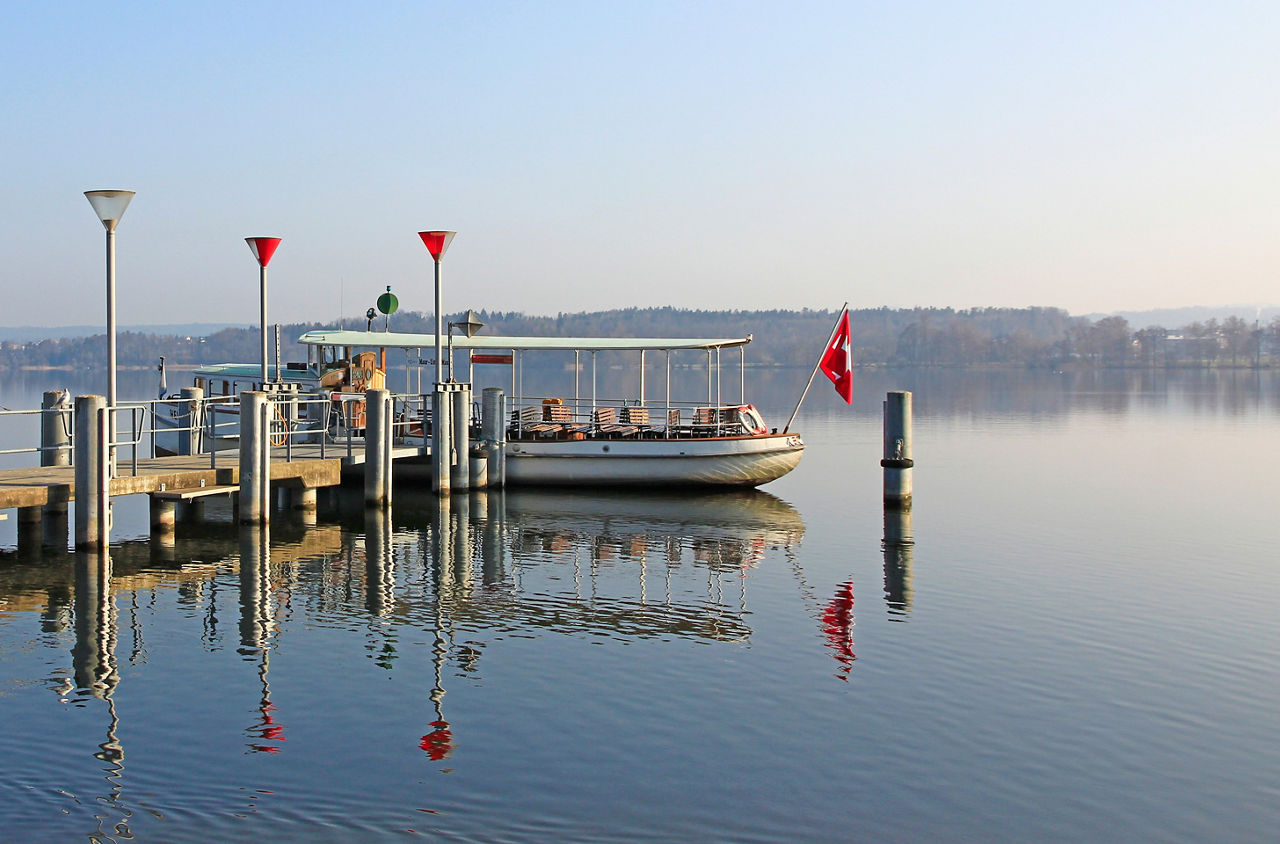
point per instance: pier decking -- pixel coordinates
(40, 486)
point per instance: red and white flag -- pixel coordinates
(837, 360)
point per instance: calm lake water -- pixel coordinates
(1079, 645)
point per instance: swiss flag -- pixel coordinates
(837, 360)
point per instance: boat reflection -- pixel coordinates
(607, 564)
(470, 569)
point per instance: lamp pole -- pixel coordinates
(437, 243)
(263, 248)
(109, 205)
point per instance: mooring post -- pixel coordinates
(441, 436)
(55, 429)
(493, 428)
(191, 420)
(255, 459)
(897, 460)
(92, 474)
(377, 448)
(460, 412)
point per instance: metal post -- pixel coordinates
(439, 325)
(377, 448)
(255, 459)
(493, 416)
(897, 460)
(92, 475)
(460, 469)
(191, 420)
(262, 283)
(55, 429)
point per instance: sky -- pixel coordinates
(594, 155)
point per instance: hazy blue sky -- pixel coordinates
(1094, 156)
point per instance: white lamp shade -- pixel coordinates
(109, 205)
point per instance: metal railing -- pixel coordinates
(157, 427)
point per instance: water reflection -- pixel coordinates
(467, 570)
(898, 545)
(93, 665)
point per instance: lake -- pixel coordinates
(1071, 637)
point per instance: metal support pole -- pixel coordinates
(439, 327)
(262, 282)
(377, 449)
(92, 475)
(255, 459)
(897, 460)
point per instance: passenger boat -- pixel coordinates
(582, 438)
(577, 438)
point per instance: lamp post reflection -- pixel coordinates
(256, 626)
(438, 743)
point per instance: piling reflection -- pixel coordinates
(93, 665)
(898, 546)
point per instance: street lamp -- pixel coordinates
(469, 325)
(437, 243)
(109, 205)
(263, 248)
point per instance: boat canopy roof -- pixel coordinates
(253, 372)
(392, 340)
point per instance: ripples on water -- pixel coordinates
(1071, 637)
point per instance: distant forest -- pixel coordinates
(1022, 337)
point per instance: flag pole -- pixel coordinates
(834, 329)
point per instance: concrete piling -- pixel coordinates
(377, 448)
(897, 460)
(460, 417)
(441, 440)
(255, 459)
(191, 420)
(92, 474)
(55, 429)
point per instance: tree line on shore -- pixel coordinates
(1039, 337)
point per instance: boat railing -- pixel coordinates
(560, 418)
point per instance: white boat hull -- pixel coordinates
(715, 461)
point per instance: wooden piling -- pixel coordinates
(897, 460)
